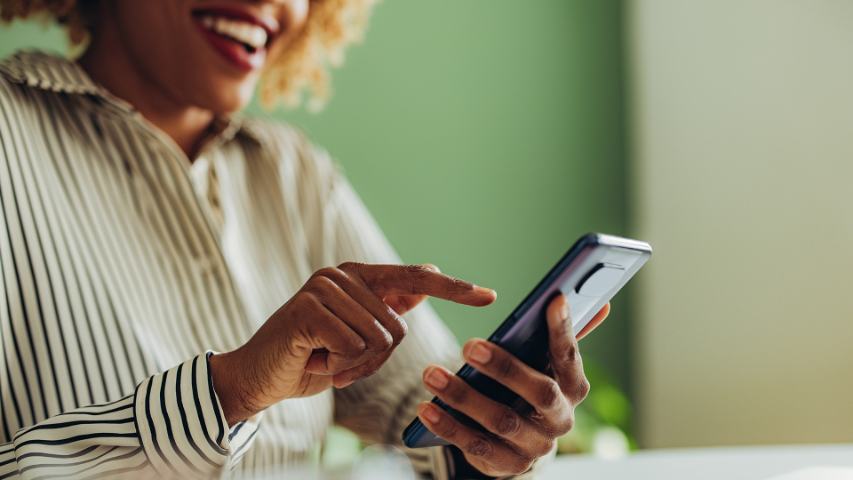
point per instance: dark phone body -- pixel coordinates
(594, 269)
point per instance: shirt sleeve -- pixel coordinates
(171, 426)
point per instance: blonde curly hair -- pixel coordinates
(299, 72)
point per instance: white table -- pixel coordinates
(743, 463)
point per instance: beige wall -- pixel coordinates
(743, 181)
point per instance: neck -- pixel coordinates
(107, 62)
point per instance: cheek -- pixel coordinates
(153, 31)
(294, 17)
(174, 56)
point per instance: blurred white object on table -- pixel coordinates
(818, 473)
(834, 462)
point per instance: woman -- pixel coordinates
(146, 225)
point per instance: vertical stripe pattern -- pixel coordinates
(123, 265)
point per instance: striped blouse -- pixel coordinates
(123, 265)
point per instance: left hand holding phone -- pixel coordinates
(509, 442)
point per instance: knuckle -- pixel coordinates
(328, 272)
(419, 270)
(506, 367)
(508, 423)
(567, 354)
(479, 447)
(447, 429)
(368, 369)
(310, 300)
(320, 284)
(325, 271)
(521, 464)
(417, 274)
(382, 343)
(354, 349)
(577, 390)
(550, 446)
(571, 353)
(459, 286)
(582, 390)
(563, 426)
(398, 329)
(548, 395)
(567, 424)
(350, 266)
(456, 393)
(544, 448)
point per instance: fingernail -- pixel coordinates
(564, 312)
(430, 413)
(437, 378)
(346, 384)
(485, 290)
(480, 353)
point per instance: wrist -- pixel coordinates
(229, 385)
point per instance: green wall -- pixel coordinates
(485, 136)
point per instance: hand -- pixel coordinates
(508, 442)
(339, 327)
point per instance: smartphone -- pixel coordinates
(594, 269)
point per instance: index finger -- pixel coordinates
(595, 322)
(420, 280)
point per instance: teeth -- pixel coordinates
(244, 32)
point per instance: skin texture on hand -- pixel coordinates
(508, 441)
(342, 325)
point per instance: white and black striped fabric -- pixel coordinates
(123, 265)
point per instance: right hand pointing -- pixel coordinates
(338, 328)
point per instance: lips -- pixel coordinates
(239, 36)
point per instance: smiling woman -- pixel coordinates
(180, 63)
(315, 34)
(176, 274)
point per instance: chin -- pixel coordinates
(230, 44)
(225, 104)
(221, 97)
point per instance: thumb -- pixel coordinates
(561, 338)
(565, 358)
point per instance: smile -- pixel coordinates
(239, 36)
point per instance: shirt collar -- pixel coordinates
(51, 72)
(55, 73)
